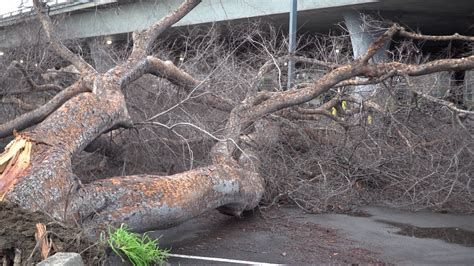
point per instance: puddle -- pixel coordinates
(452, 235)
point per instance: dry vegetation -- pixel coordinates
(416, 153)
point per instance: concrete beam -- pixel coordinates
(139, 15)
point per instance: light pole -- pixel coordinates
(292, 42)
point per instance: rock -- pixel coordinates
(63, 259)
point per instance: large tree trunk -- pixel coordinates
(36, 167)
(38, 174)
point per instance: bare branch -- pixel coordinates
(442, 102)
(369, 81)
(298, 59)
(21, 104)
(143, 42)
(417, 36)
(169, 71)
(401, 69)
(32, 83)
(281, 100)
(379, 43)
(315, 115)
(58, 47)
(31, 118)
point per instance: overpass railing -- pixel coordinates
(24, 12)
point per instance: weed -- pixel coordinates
(141, 250)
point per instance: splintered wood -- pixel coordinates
(42, 240)
(13, 161)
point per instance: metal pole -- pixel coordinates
(292, 42)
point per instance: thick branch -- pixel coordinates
(169, 71)
(314, 115)
(281, 100)
(171, 199)
(31, 118)
(379, 43)
(401, 69)
(143, 42)
(255, 107)
(369, 81)
(58, 47)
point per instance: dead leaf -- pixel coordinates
(42, 240)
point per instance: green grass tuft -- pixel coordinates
(141, 250)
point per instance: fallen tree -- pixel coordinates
(36, 170)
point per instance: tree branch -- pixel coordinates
(169, 71)
(379, 43)
(416, 36)
(281, 100)
(401, 69)
(314, 115)
(32, 83)
(21, 104)
(267, 66)
(58, 47)
(449, 105)
(143, 41)
(254, 109)
(31, 118)
(157, 67)
(369, 81)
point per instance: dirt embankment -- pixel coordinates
(17, 231)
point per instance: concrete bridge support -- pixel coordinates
(360, 40)
(469, 89)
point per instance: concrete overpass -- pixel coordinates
(113, 18)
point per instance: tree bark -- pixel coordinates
(37, 174)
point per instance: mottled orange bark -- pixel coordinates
(46, 182)
(36, 168)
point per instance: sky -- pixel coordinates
(11, 5)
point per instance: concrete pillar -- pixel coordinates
(360, 40)
(469, 89)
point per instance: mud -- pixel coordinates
(17, 231)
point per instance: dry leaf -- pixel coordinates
(42, 239)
